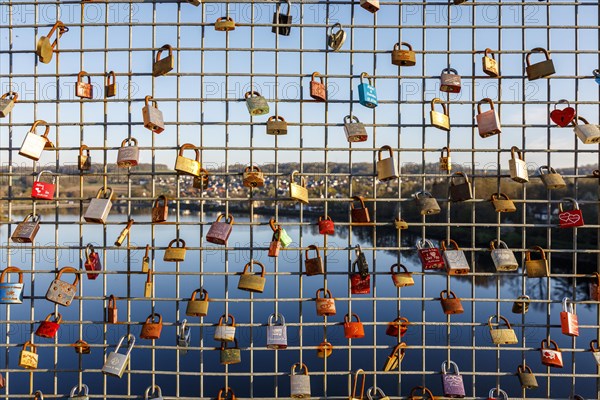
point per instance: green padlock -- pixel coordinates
(284, 238)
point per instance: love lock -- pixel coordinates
(569, 218)
(563, 117)
(335, 40)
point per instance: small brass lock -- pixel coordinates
(521, 305)
(326, 304)
(226, 391)
(152, 116)
(490, 66)
(450, 81)
(116, 363)
(502, 335)
(424, 392)
(526, 377)
(253, 177)
(370, 5)
(405, 58)
(26, 230)
(445, 160)
(224, 332)
(318, 91)
(188, 166)
(175, 254)
(33, 144)
(354, 129)
(426, 203)
(400, 276)
(438, 119)
(395, 358)
(219, 231)
(362, 388)
(460, 191)
(11, 293)
(195, 307)
(502, 203)
(324, 349)
(488, 122)
(225, 24)
(455, 259)
(284, 21)
(503, 257)
(586, 132)
(314, 265)
(160, 209)
(541, 69)
(152, 327)
(110, 84)
(28, 359)
(517, 166)
(61, 292)
(83, 89)
(400, 224)
(99, 208)
(7, 103)
(256, 104)
(551, 178)
(335, 40)
(163, 66)
(45, 49)
(386, 167)
(360, 215)
(298, 192)
(250, 281)
(536, 268)
(82, 347)
(450, 303)
(276, 125)
(299, 383)
(128, 156)
(84, 161)
(231, 355)
(202, 181)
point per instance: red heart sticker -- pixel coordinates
(563, 117)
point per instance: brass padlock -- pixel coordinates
(526, 377)
(84, 161)
(82, 347)
(551, 178)
(460, 191)
(299, 383)
(438, 119)
(299, 191)
(536, 268)
(175, 254)
(253, 177)
(502, 335)
(335, 40)
(586, 132)
(354, 129)
(362, 388)
(201, 182)
(7, 103)
(424, 391)
(128, 156)
(33, 144)
(399, 223)
(324, 349)
(152, 116)
(386, 168)
(79, 392)
(488, 122)
(188, 166)
(450, 81)
(490, 66)
(231, 355)
(360, 215)
(195, 307)
(160, 212)
(445, 160)
(28, 359)
(224, 24)
(313, 266)
(395, 358)
(110, 84)
(541, 69)
(503, 257)
(401, 278)
(61, 292)
(318, 90)
(502, 203)
(45, 49)
(224, 332)
(219, 231)
(276, 125)
(375, 391)
(450, 303)
(83, 89)
(38, 395)
(325, 305)
(256, 104)
(116, 363)
(97, 211)
(226, 391)
(250, 281)
(455, 259)
(404, 58)
(517, 166)
(426, 203)
(163, 66)
(124, 233)
(370, 5)
(152, 327)
(521, 305)
(26, 230)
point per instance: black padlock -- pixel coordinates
(282, 19)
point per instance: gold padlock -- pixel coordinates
(201, 182)
(185, 165)
(536, 268)
(298, 191)
(502, 203)
(28, 359)
(45, 49)
(250, 281)
(445, 160)
(490, 66)
(438, 119)
(84, 161)
(405, 58)
(253, 177)
(110, 84)
(502, 335)
(276, 125)
(225, 24)
(175, 254)
(165, 65)
(7, 103)
(551, 178)
(33, 144)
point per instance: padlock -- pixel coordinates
(282, 235)
(360, 280)
(354, 129)
(160, 212)
(299, 383)
(275, 245)
(201, 182)
(198, 307)
(110, 84)
(26, 230)
(226, 391)
(501, 393)
(386, 168)
(318, 91)
(460, 191)
(83, 89)
(219, 231)
(526, 377)
(99, 208)
(38, 395)
(502, 203)
(33, 144)
(360, 215)
(184, 337)
(324, 349)
(152, 328)
(404, 58)
(326, 304)
(488, 122)
(455, 259)
(152, 116)
(362, 388)
(230, 355)
(565, 116)
(224, 24)
(124, 233)
(397, 326)
(489, 64)
(569, 218)
(426, 203)
(502, 335)
(521, 305)
(175, 254)
(223, 331)
(595, 351)
(128, 156)
(149, 284)
(452, 383)
(430, 256)
(450, 303)
(112, 312)
(253, 177)
(551, 357)
(276, 332)
(594, 288)
(7, 103)
(153, 392)
(541, 69)
(536, 268)
(374, 391)
(299, 191)
(326, 226)
(84, 162)
(399, 223)
(163, 66)
(28, 359)
(424, 392)
(445, 160)
(450, 81)
(395, 358)
(45, 49)
(370, 5)
(188, 166)
(503, 257)
(79, 392)
(11, 292)
(401, 278)
(256, 104)
(517, 166)
(146, 259)
(82, 347)
(353, 329)
(43, 190)
(116, 363)
(367, 94)
(569, 323)
(440, 120)
(250, 281)
(47, 328)
(335, 40)
(283, 21)
(586, 132)
(61, 292)
(277, 125)
(314, 266)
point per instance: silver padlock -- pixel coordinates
(153, 117)
(488, 122)
(276, 332)
(426, 203)
(375, 391)
(99, 207)
(386, 167)
(517, 166)
(460, 191)
(355, 130)
(299, 383)
(335, 40)
(7, 102)
(129, 155)
(33, 144)
(61, 292)
(153, 392)
(503, 257)
(79, 392)
(450, 81)
(455, 259)
(551, 178)
(224, 332)
(184, 337)
(587, 133)
(116, 363)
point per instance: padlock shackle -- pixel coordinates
(251, 93)
(568, 305)
(398, 267)
(302, 367)
(316, 74)
(374, 390)
(112, 302)
(361, 200)
(514, 151)
(203, 294)
(546, 344)
(325, 217)
(128, 142)
(311, 247)
(450, 242)
(78, 389)
(423, 193)
(228, 218)
(422, 242)
(449, 294)
(11, 95)
(228, 317)
(348, 317)
(192, 147)
(83, 148)
(500, 244)
(450, 71)
(574, 122)
(547, 168)
(488, 52)
(438, 101)
(149, 99)
(369, 78)
(38, 395)
(423, 390)
(498, 318)
(57, 317)
(249, 265)
(500, 393)
(104, 192)
(130, 342)
(326, 292)
(32, 347)
(67, 270)
(34, 218)
(384, 148)
(362, 387)
(349, 118)
(89, 250)
(158, 199)
(594, 349)
(155, 389)
(81, 74)
(562, 101)
(274, 226)
(537, 249)
(524, 368)
(152, 317)
(178, 241)
(459, 175)
(596, 73)
(252, 168)
(338, 25)
(276, 318)
(183, 328)
(499, 196)
(274, 117)
(536, 50)
(450, 364)
(397, 46)
(302, 179)
(110, 74)
(570, 200)
(226, 390)
(43, 123)
(482, 101)
(163, 48)
(7, 270)
(61, 29)
(447, 150)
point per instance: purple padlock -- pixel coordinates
(452, 382)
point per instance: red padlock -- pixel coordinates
(399, 325)
(353, 330)
(49, 328)
(92, 262)
(326, 225)
(569, 324)
(430, 256)
(569, 218)
(43, 190)
(563, 117)
(275, 245)
(551, 357)
(360, 285)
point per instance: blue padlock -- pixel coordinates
(597, 75)
(367, 95)
(11, 293)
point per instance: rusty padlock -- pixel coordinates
(401, 278)
(569, 323)
(224, 24)
(426, 203)
(318, 90)
(502, 335)
(152, 116)
(450, 303)
(250, 281)
(594, 287)
(47, 328)
(230, 355)
(61, 292)
(517, 166)
(537, 268)
(397, 326)
(324, 349)
(92, 262)
(83, 89)
(201, 182)
(395, 358)
(198, 307)
(152, 327)
(7, 103)
(275, 245)
(445, 160)
(33, 144)
(405, 58)
(430, 256)
(219, 231)
(163, 66)
(177, 253)
(253, 177)
(541, 69)
(84, 161)
(160, 211)
(277, 125)
(110, 84)
(502, 203)
(488, 122)
(353, 329)
(112, 313)
(450, 81)
(551, 357)
(314, 265)
(81, 347)
(360, 215)
(326, 226)
(43, 190)
(399, 223)
(526, 377)
(370, 5)
(569, 218)
(489, 64)
(326, 304)
(27, 229)
(223, 331)
(455, 259)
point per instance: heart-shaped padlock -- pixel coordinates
(563, 117)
